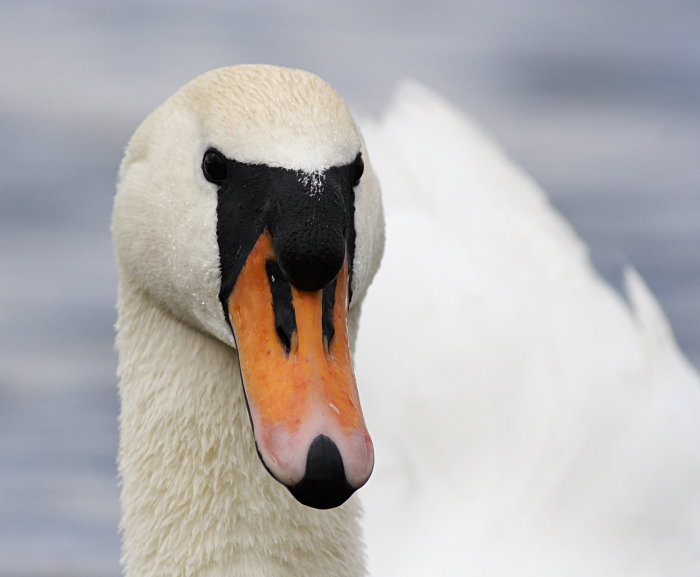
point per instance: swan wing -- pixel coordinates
(528, 420)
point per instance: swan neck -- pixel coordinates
(195, 498)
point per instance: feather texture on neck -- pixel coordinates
(196, 500)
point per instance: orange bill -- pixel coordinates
(302, 389)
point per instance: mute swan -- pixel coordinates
(526, 422)
(246, 206)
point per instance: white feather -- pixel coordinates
(526, 421)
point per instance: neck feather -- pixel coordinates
(196, 500)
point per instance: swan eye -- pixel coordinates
(214, 166)
(358, 167)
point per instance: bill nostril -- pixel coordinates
(285, 318)
(328, 322)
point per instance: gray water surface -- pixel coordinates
(599, 101)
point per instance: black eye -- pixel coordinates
(358, 167)
(214, 166)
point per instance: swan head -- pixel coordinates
(247, 209)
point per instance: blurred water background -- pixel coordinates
(598, 100)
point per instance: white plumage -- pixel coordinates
(196, 499)
(526, 421)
